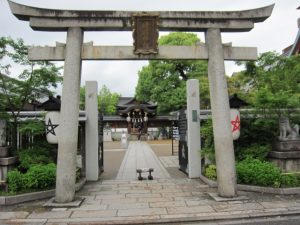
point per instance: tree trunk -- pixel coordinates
(14, 136)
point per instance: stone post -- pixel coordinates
(68, 139)
(91, 131)
(2, 133)
(193, 132)
(219, 99)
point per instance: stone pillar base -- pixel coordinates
(286, 155)
(287, 165)
(286, 146)
(6, 164)
(3, 152)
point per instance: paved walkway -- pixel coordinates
(162, 200)
(140, 155)
(169, 161)
(158, 201)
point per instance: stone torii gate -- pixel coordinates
(75, 23)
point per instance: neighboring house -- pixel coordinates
(52, 104)
(294, 48)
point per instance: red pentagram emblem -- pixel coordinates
(236, 124)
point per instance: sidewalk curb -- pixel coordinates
(243, 187)
(192, 218)
(15, 199)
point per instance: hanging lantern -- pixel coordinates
(235, 120)
(145, 118)
(52, 126)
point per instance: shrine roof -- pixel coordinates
(52, 104)
(127, 104)
(236, 102)
(131, 101)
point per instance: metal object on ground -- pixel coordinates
(145, 170)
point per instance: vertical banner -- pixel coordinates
(52, 126)
(235, 120)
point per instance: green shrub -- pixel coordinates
(30, 157)
(211, 172)
(207, 140)
(257, 130)
(15, 181)
(37, 177)
(256, 151)
(256, 172)
(40, 176)
(78, 173)
(289, 180)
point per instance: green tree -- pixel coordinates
(107, 101)
(32, 82)
(164, 81)
(272, 82)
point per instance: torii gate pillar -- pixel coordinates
(224, 150)
(68, 139)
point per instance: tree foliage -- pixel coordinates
(107, 101)
(272, 82)
(32, 82)
(269, 84)
(164, 81)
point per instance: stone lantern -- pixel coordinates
(6, 162)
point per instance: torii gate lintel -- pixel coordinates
(91, 52)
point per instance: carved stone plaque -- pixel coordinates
(145, 34)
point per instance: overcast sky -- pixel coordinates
(276, 33)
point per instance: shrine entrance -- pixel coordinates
(137, 114)
(145, 27)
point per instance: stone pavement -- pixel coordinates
(163, 200)
(157, 201)
(140, 155)
(169, 161)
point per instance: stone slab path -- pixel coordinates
(169, 161)
(157, 201)
(163, 200)
(140, 155)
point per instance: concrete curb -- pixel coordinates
(10, 200)
(192, 218)
(243, 187)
